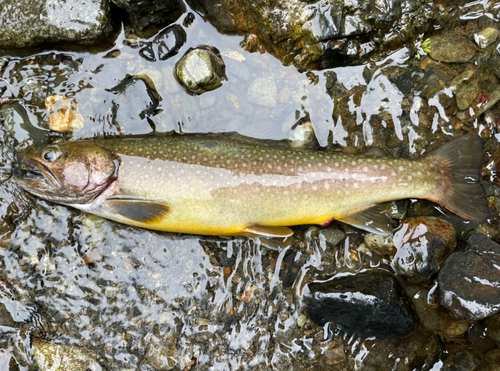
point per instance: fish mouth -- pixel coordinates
(35, 172)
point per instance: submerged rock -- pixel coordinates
(144, 14)
(38, 22)
(451, 49)
(55, 357)
(200, 70)
(464, 360)
(264, 92)
(64, 115)
(469, 282)
(422, 246)
(466, 88)
(365, 304)
(486, 37)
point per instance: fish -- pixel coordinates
(231, 185)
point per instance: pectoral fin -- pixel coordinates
(267, 231)
(138, 210)
(373, 220)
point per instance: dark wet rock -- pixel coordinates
(469, 281)
(165, 45)
(464, 360)
(144, 14)
(200, 70)
(432, 85)
(492, 325)
(466, 88)
(37, 22)
(451, 49)
(365, 304)
(49, 356)
(317, 34)
(422, 246)
(486, 37)
(169, 41)
(433, 317)
(331, 236)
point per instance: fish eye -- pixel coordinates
(51, 154)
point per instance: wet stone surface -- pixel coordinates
(36, 22)
(469, 280)
(451, 49)
(422, 246)
(134, 299)
(366, 304)
(200, 70)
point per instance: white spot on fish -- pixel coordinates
(327, 186)
(315, 188)
(356, 185)
(365, 169)
(409, 178)
(393, 173)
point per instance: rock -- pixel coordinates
(165, 45)
(317, 34)
(55, 357)
(335, 356)
(464, 360)
(365, 304)
(200, 70)
(451, 49)
(466, 88)
(144, 14)
(39, 22)
(263, 91)
(422, 246)
(170, 41)
(434, 317)
(162, 354)
(492, 325)
(64, 115)
(302, 135)
(382, 245)
(5, 317)
(332, 236)
(486, 37)
(469, 281)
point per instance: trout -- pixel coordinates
(227, 185)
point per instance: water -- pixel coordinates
(139, 299)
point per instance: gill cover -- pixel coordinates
(68, 173)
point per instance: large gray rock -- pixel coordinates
(34, 22)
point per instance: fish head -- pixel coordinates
(67, 173)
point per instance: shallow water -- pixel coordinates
(148, 298)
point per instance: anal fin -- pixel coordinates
(138, 209)
(373, 220)
(269, 231)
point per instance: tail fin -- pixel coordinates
(460, 163)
